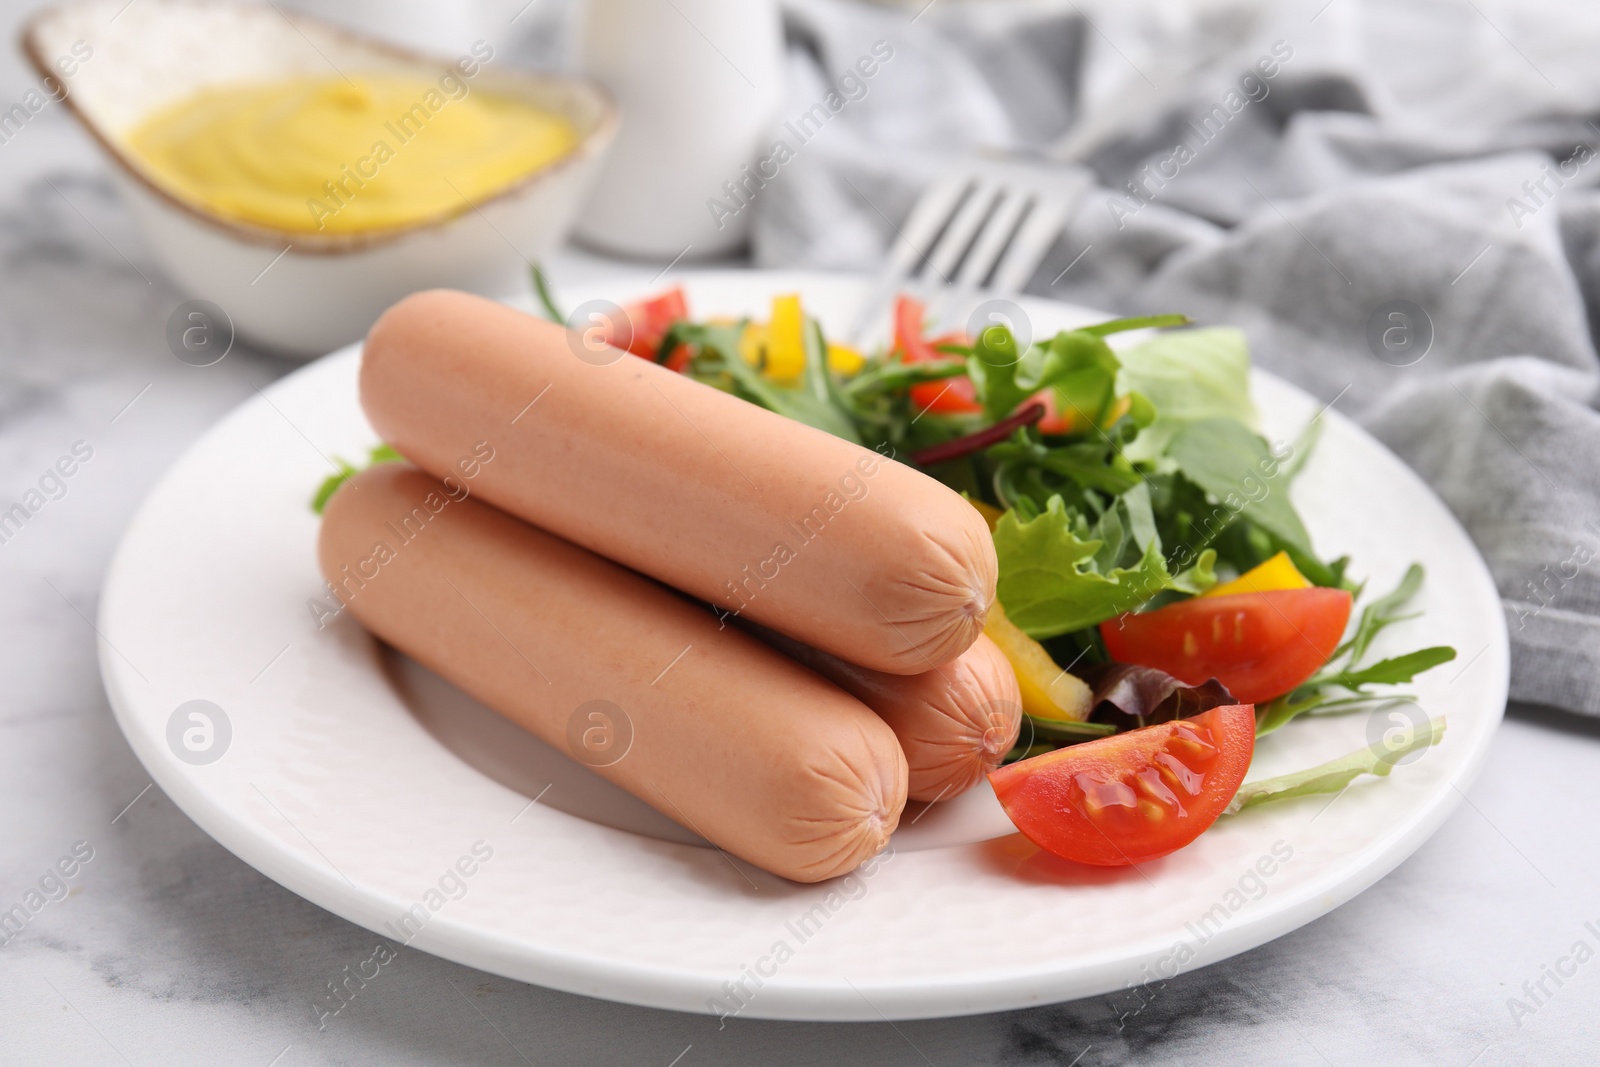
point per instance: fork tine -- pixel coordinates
(993, 240)
(928, 217)
(957, 237)
(1050, 214)
(986, 250)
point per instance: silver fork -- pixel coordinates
(988, 227)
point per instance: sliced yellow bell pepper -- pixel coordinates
(778, 347)
(753, 343)
(1276, 573)
(786, 348)
(1048, 692)
(842, 359)
(1119, 407)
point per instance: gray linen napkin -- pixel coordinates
(1442, 154)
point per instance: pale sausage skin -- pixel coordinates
(733, 740)
(955, 724)
(763, 517)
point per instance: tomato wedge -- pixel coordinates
(643, 324)
(679, 360)
(908, 336)
(953, 396)
(1132, 796)
(950, 396)
(1259, 645)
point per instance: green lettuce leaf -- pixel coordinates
(1188, 375)
(1056, 578)
(1199, 576)
(998, 373)
(1083, 372)
(1237, 467)
(1077, 364)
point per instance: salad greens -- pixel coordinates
(380, 453)
(1342, 684)
(1186, 387)
(1335, 775)
(1115, 479)
(1106, 525)
(1058, 575)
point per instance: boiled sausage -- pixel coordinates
(764, 517)
(955, 724)
(726, 736)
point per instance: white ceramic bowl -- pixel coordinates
(302, 293)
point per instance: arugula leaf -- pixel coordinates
(1143, 322)
(897, 376)
(1038, 736)
(817, 402)
(330, 485)
(1077, 364)
(994, 367)
(1065, 730)
(1092, 464)
(718, 358)
(1049, 582)
(832, 414)
(1333, 776)
(380, 453)
(1327, 575)
(1381, 613)
(1188, 375)
(1285, 709)
(1397, 669)
(541, 288)
(1141, 515)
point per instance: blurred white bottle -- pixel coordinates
(699, 83)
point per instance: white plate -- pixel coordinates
(359, 781)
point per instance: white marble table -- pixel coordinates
(168, 950)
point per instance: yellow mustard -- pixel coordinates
(334, 156)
